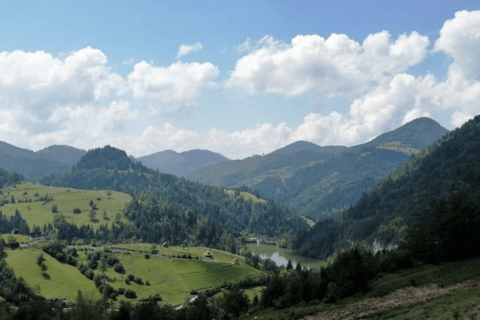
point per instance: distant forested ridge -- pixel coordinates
(167, 208)
(427, 198)
(321, 181)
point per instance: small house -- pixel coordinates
(208, 254)
(236, 261)
(165, 245)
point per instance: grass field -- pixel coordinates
(172, 278)
(218, 255)
(63, 281)
(38, 213)
(18, 237)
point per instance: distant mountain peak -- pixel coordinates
(306, 145)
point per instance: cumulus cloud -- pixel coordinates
(34, 79)
(187, 49)
(337, 65)
(179, 82)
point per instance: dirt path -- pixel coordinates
(401, 297)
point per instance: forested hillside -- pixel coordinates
(318, 181)
(31, 164)
(436, 189)
(168, 208)
(181, 164)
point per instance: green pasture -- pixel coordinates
(38, 213)
(18, 237)
(218, 255)
(172, 278)
(62, 280)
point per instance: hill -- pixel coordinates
(436, 192)
(167, 208)
(35, 202)
(181, 164)
(65, 154)
(178, 277)
(318, 181)
(31, 164)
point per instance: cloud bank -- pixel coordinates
(79, 100)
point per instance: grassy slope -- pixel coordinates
(449, 273)
(19, 237)
(66, 200)
(173, 279)
(65, 280)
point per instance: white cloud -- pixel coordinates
(187, 49)
(39, 80)
(179, 82)
(334, 66)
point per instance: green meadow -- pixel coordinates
(39, 213)
(18, 237)
(62, 280)
(172, 278)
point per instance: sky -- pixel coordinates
(235, 77)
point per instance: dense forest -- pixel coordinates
(418, 192)
(321, 181)
(167, 208)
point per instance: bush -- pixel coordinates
(138, 280)
(77, 210)
(147, 256)
(147, 283)
(127, 281)
(121, 291)
(131, 277)
(130, 294)
(98, 280)
(54, 208)
(89, 273)
(118, 267)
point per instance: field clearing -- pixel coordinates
(172, 278)
(218, 255)
(39, 213)
(63, 281)
(18, 237)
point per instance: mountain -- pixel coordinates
(181, 164)
(436, 192)
(27, 162)
(168, 208)
(64, 154)
(319, 181)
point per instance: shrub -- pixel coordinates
(147, 283)
(54, 208)
(77, 210)
(130, 294)
(98, 280)
(127, 281)
(138, 280)
(121, 291)
(131, 277)
(147, 256)
(118, 267)
(89, 273)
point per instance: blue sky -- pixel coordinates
(238, 78)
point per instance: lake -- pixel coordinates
(280, 256)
